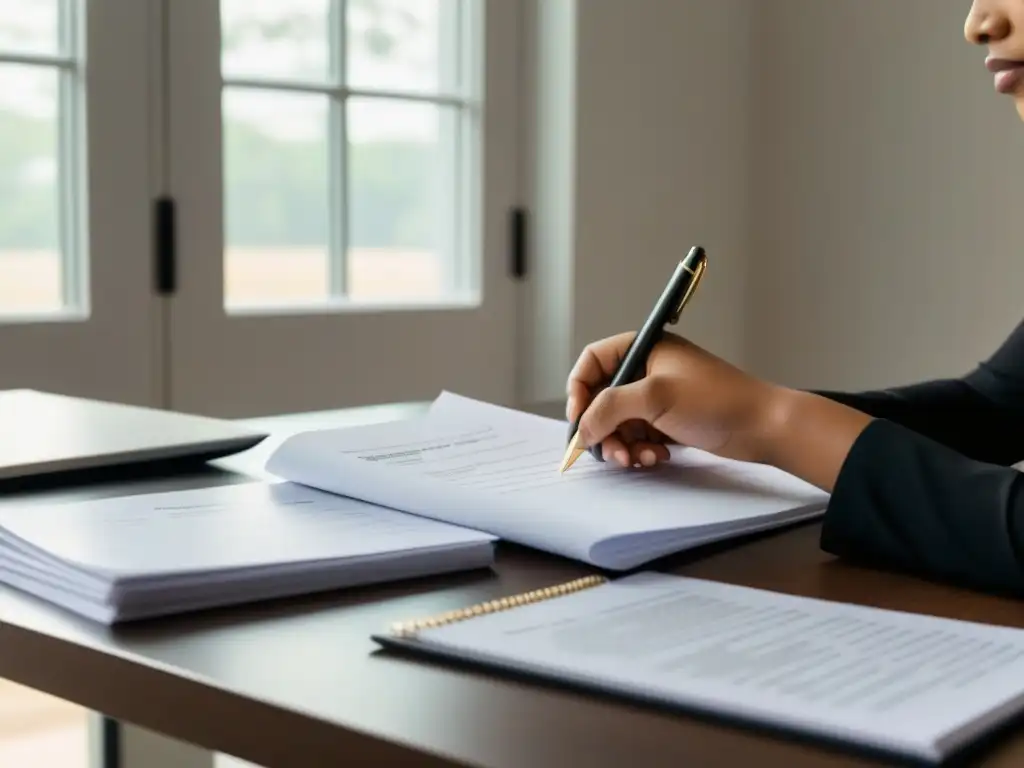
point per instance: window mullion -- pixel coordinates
(343, 92)
(467, 160)
(338, 157)
(69, 141)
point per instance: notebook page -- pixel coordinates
(496, 469)
(889, 679)
(234, 526)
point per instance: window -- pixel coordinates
(336, 198)
(350, 141)
(40, 145)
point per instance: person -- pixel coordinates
(920, 476)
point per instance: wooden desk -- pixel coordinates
(299, 683)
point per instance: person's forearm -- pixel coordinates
(810, 436)
(972, 418)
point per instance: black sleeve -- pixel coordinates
(926, 487)
(906, 502)
(980, 415)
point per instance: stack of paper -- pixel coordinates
(141, 556)
(385, 502)
(496, 470)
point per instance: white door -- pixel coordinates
(76, 307)
(78, 313)
(344, 174)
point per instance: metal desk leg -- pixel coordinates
(109, 743)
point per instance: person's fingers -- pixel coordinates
(633, 431)
(652, 435)
(577, 402)
(644, 400)
(578, 397)
(635, 441)
(613, 448)
(628, 454)
(597, 362)
(648, 454)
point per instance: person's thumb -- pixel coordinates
(643, 400)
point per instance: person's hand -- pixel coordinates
(690, 397)
(687, 396)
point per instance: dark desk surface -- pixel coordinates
(299, 682)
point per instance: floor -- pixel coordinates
(39, 730)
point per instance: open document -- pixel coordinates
(495, 470)
(134, 557)
(918, 686)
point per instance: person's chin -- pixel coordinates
(1019, 101)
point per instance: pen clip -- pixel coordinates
(698, 273)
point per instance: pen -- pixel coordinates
(677, 293)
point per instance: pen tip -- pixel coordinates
(573, 452)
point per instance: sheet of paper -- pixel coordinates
(496, 469)
(846, 669)
(252, 524)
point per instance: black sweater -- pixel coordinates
(928, 486)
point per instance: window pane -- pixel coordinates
(281, 39)
(402, 200)
(402, 45)
(30, 224)
(29, 27)
(276, 197)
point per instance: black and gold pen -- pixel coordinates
(677, 293)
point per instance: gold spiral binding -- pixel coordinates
(410, 628)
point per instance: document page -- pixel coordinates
(895, 680)
(496, 469)
(247, 525)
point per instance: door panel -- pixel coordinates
(343, 174)
(77, 311)
(77, 314)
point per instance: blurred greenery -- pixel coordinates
(27, 211)
(376, 27)
(275, 190)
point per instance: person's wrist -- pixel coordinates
(774, 422)
(807, 435)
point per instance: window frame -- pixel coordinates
(460, 105)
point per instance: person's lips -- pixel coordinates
(1009, 73)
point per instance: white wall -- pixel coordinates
(887, 195)
(858, 184)
(641, 144)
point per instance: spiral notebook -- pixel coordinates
(900, 683)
